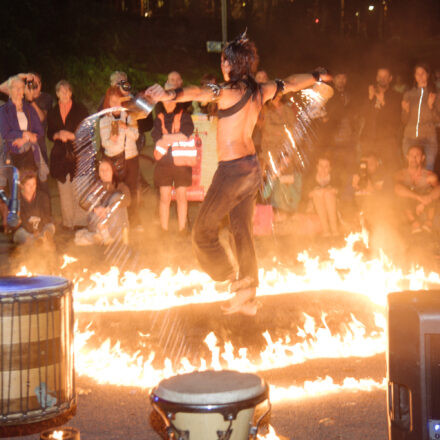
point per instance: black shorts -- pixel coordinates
(168, 174)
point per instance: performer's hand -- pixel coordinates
(157, 93)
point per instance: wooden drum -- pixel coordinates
(37, 379)
(211, 405)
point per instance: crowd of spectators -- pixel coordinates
(374, 156)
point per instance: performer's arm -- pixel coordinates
(190, 93)
(292, 83)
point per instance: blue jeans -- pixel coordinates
(429, 144)
(232, 193)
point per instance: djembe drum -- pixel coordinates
(37, 382)
(211, 405)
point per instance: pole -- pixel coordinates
(224, 22)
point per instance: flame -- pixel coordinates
(271, 435)
(346, 269)
(67, 260)
(57, 435)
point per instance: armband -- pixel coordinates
(281, 85)
(216, 90)
(178, 92)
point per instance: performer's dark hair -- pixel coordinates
(242, 56)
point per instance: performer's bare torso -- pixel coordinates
(234, 133)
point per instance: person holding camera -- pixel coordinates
(41, 101)
(119, 133)
(62, 121)
(20, 129)
(417, 190)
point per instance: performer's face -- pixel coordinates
(226, 68)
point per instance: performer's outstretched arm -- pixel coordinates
(293, 83)
(189, 93)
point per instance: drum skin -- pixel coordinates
(37, 387)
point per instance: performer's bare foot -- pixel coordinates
(237, 303)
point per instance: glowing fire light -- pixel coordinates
(67, 260)
(345, 270)
(57, 435)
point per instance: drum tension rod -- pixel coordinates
(226, 435)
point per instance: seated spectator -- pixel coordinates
(170, 126)
(371, 187)
(62, 122)
(20, 129)
(321, 190)
(108, 221)
(417, 189)
(35, 212)
(119, 132)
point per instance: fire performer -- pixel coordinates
(238, 177)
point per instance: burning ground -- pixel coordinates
(319, 338)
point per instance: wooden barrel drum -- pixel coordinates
(37, 380)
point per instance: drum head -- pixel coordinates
(211, 387)
(26, 285)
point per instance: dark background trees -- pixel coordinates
(84, 40)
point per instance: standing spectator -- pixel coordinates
(321, 190)
(175, 81)
(380, 133)
(144, 122)
(62, 121)
(42, 102)
(210, 107)
(20, 128)
(340, 125)
(119, 133)
(35, 213)
(420, 112)
(170, 126)
(417, 189)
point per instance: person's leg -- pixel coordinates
(320, 208)
(233, 182)
(241, 219)
(164, 206)
(331, 209)
(132, 180)
(430, 146)
(80, 215)
(182, 207)
(21, 236)
(67, 203)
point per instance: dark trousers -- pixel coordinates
(131, 179)
(232, 193)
